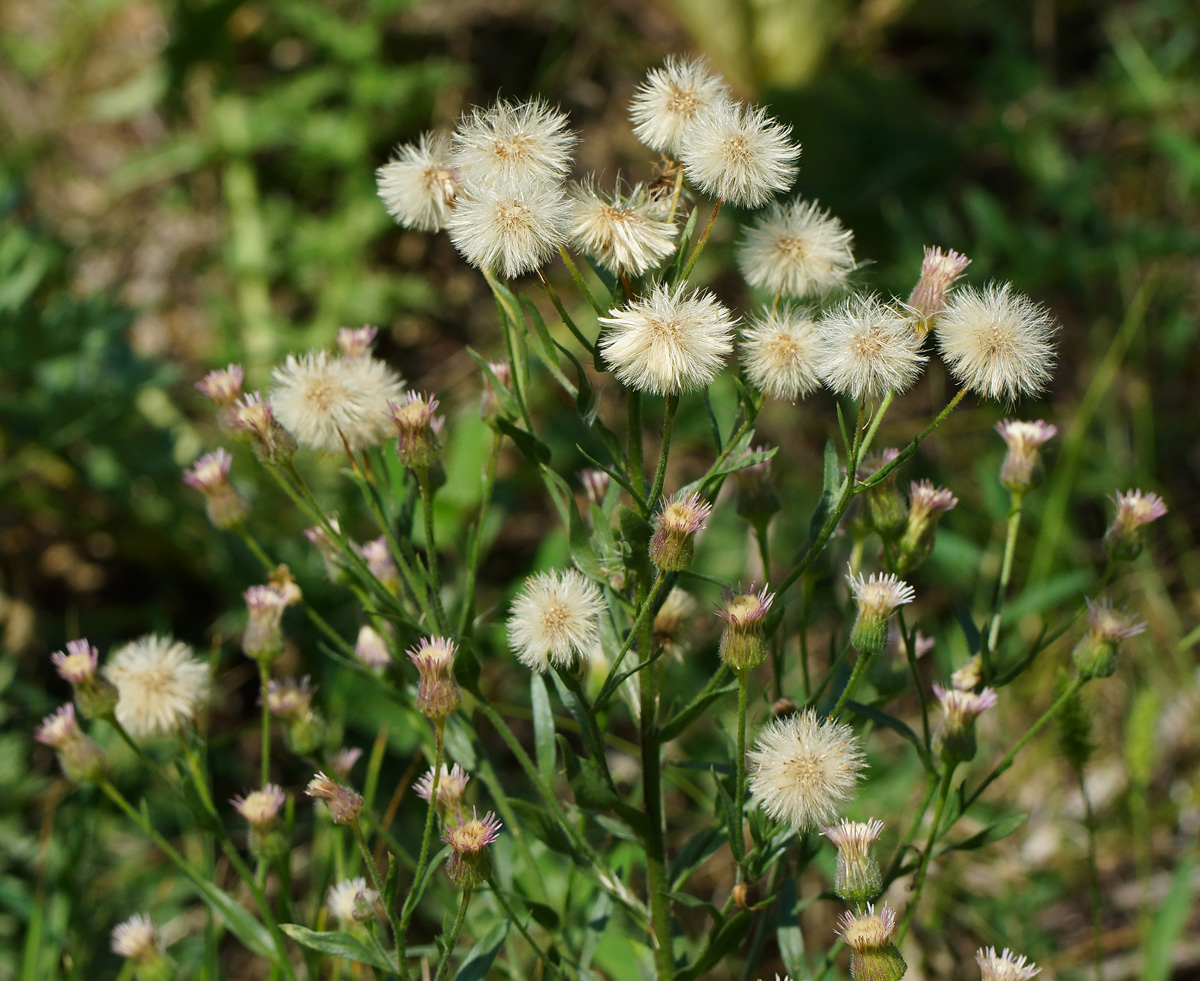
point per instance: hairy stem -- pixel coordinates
(687, 271)
(660, 475)
(455, 930)
(927, 854)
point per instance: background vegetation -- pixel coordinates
(188, 183)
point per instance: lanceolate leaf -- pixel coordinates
(338, 944)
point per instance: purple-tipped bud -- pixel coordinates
(260, 809)
(939, 272)
(756, 498)
(451, 786)
(437, 692)
(372, 648)
(876, 598)
(343, 803)
(328, 546)
(253, 416)
(743, 643)
(227, 508)
(489, 401)
(417, 430)
(1022, 470)
(886, 514)
(355, 342)
(955, 739)
(1095, 655)
(596, 484)
(926, 505)
(1135, 509)
(857, 880)
(342, 762)
(223, 386)
(873, 955)
(674, 540)
(378, 557)
(471, 862)
(290, 701)
(262, 639)
(95, 695)
(80, 758)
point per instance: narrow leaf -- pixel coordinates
(338, 944)
(543, 727)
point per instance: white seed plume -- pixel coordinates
(803, 769)
(625, 233)
(880, 595)
(670, 99)
(159, 685)
(779, 353)
(798, 250)
(344, 898)
(866, 349)
(1006, 966)
(513, 143)
(555, 619)
(328, 403)
(137, 938)
(507, 228)
(418, 186)
(669, 343)
(997, 343)
(739, 154)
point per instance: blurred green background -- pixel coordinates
(188, 183)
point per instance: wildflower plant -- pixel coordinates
(595, 753)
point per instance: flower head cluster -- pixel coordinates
(803, 769)
(866, 349)
(262, 639)
(673, 542)
(1125, 537)
(955, 739)
(1005, 966)
(739, 154)
(926, 505)
(868, 934)
(226, 507)
(876, 598)
(670, 101)
(418, 186)
(160, 685)
(451, 788)
(509, 229)
(471, 862)
(513, 143)
(743, 641)
(939, 272)
(997, 343)
(1020, 471)
(344, 804)
(80, 758)
(626, 233)
(1095, 655)
(796, 249)
(779, 352)
(857, 879)
(555, 619)
(669, 343)
(95, 696)
(437, 693)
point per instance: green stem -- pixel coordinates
(910, 654)
(660, 475)
(893, 866)
(264, 681)
(511, 913)
(583, 288)
(472, 571)
(256, 549)
(412, 584)
(703, 239)
(737, 839)
(1093, 878)
(637, 467)
(377, 883)
(923, 868)
(856, 676)
(431, 546)
(567, 320)
(410, 901)
(875, 421)
(455, 930)
(741, 431)
(1010, 548)
(644, 611)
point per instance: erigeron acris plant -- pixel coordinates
(592, 636)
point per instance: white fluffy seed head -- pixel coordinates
(328, 403)
(779, 353)
(1006, 966)
(509, 229)
(513, 143)
(803, 769)
(418, 186)
(555, 619)
(997, 343)
(349, 899)
(137, 939)
(671, 98)
(669, 343)
(866, 349)
(625, 233)
(798, 250)
(160, 686)
(739, 154)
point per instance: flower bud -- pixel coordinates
(939, 271)
(378, 557)
(926, 505)
(355, 342)
(877, 599)
(857, 880)
(138, 940)
(260, 808)
(885, 514)
(756, 498)
(226, 507)
(873, 956)
(81, 760)
(438, 695)
(743, 642)
(954, 741)
(674, 540)
(342, 762)
(596, 484)
(489, 402)
(328, 547)
(417, 430)
(291, 702)
(254, 416)
(672, 620)
(451, 786)
(1125, 536)
(343, 803)
(471, 862)
(351, 902)
(95, 695)
(372, 649)
(262, 639)
(1006, 966)
(223, 386)
(1022, 469)
(1095, 655)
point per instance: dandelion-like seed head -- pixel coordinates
(78, 665)
(371, 648)
(866, 349)
(1005, 966)
(555, 620)
(515, 143)
(779, 352)
(739, 154)
(260, 807)
(670, 100)
(626, 233)
(803, 769)
(351, 900)
(796, 249)
(939, 272)
(451, 788)
(997, 343)
(669, 343)
(418, 186)
(160, 686)
(137, 939)
(344, 804)
(509, 229)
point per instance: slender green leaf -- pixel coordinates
(479, 961)
(543, 727)
(338, 944)
(992, 833)
(679, 724)
(1171, 922)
